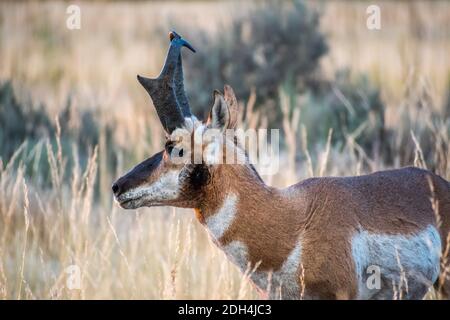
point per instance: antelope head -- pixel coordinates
(177, 175)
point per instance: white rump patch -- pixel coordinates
(219, 222)
(417, 256)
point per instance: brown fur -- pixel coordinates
(323, 212)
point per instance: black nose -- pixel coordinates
(115, 189)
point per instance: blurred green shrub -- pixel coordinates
(22, 122)
(264, 48)
(352, 106)
(278, 46)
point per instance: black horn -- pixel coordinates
(167, 90)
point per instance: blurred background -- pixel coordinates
(348, 100)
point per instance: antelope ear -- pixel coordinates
(233, 106)
(219, 117)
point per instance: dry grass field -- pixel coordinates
(56, 206)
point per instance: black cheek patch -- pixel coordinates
(199, 176)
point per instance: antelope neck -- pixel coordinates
(238, 203)
(232, 184)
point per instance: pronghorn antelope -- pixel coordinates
(317, 239)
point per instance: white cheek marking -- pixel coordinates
(219, 222)
(419, 257)
(166, 188)
(286, 278)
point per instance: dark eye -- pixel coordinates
(169, 147)
(180, 153)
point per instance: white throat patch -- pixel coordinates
(219, 222)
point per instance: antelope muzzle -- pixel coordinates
(127, 189)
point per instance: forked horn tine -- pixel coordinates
(178, 80)
(175, 36)
(167, 90)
